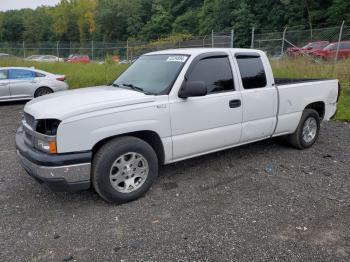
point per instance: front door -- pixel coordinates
(212, 122)
(4, 85)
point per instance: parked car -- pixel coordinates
(330, 51)
(33, 58)
(124, 62)
(166, 107)
(44, 58)
(22, 83)
(4, 56)
(83, 59)
(307, 49)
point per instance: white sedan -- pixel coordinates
(22, 83)
(44, 58)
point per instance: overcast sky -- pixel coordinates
(18, 4)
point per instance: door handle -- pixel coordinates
(235, 103)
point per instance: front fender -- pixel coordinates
(82, 134)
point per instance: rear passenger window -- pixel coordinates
(38, 74)
(252, 71)
(215, 72)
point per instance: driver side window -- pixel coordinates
(215, 72)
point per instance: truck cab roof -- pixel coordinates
(198, 51)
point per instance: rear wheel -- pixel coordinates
(308, 130)
(43, 91)
(124, 169)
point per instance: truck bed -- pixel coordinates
(289, 81)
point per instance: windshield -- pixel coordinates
(331, 47)
(307, 46)
(154, 74)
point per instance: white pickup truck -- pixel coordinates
(168, 106)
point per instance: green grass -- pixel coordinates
(80, 75)
(304, 68)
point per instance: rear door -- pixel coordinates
(211, 122)
(4, 85)
(259, 97)
(22, 83)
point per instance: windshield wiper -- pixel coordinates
(136, 88)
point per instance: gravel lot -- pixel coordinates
(261, 202)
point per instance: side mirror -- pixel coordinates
(193, 89)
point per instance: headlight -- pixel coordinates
(47, 145)
(47, 126)
(45, 139)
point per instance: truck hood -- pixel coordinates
(62, 105)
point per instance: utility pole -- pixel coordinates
(283, 40)
(24, 50)
(92, 49)
(232, 37)
(127, 50)
(57, 49)
(338, 45)
(252, 42)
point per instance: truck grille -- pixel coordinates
(30, 120)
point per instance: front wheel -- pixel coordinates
(124, 169)
(308, 130)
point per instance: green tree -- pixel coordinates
(65, 24)
(242, 22)
(186, 23)
(215, 15)
(112, 20)
(160, 23)
(38, 25)
(13, 26)
(339, 11)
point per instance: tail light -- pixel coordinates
(62, 78)
(339, 91)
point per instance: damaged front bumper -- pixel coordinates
(61, 172)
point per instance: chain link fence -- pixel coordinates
(124, 50)
(275, 44)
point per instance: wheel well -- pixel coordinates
(150, 137)
(41, 88)
(319, 107)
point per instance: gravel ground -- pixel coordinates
(261, 202)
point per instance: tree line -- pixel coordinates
(111, 20)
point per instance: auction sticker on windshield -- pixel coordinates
(180, 59)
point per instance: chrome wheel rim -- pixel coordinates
(44, 92)
(129, 172)
(309, 129)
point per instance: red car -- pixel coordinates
(83, 59)
(330, 51)
(308, 49)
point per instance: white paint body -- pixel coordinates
(187, 127)
(24, 89)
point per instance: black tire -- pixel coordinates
(41, 91)
(297, 140)
(108, 154)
